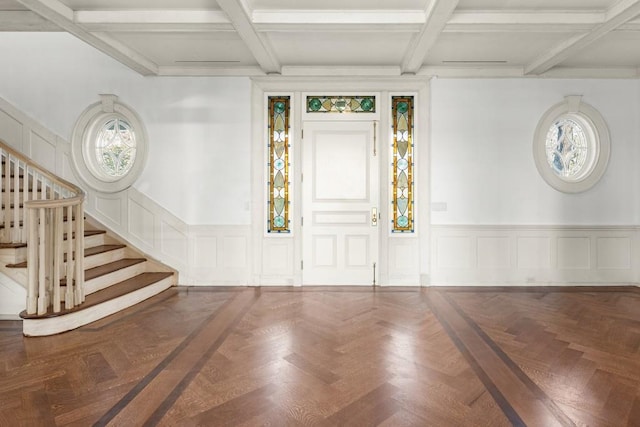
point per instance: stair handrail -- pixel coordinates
(55, 247)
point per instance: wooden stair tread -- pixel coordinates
(95, 250)
(110, 267)
(12, 245)
(117, 290)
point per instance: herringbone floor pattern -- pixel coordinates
(336, 356)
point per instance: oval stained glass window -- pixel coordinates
(116, 148)
(567, 148)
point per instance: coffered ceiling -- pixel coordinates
(461, 38)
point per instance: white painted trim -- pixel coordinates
(534, 255)
(597, 133)
(59, 14)
(83, 144)
(289, 273)
(619, 14)
(256, 42)
(438, 14)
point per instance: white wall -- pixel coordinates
(199, 128)
(481, 153)
(502, 223)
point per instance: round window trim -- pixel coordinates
(83, 145)
(598, 145)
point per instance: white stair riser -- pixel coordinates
(13, 256)
(102, 282)
(56, 325)
(103, 258)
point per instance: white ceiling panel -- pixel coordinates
(536, 5)
(220, 49)
(140, 4)
(11, 5)
(339, 4)
(308, 37)
(340, 48)
(491, 48)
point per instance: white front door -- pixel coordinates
(340, 203)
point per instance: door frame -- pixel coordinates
(373, 188)
(276, 259)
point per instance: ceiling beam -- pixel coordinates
(153, 20)
(59, 14)
(615, 17)
(437, 16)
(530, 21)
(257, 43)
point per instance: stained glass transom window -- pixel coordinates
(116, 147)
(567, 148)
(278, 220)
(402, 166)
(341, 104)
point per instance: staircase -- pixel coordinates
(41, 218)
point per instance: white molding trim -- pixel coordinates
(438, 14)
(276, 259)
(619, 14)
(83, 144)
(59, 14)
(534, 255)
(598, 140)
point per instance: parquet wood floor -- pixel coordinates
(336, 357)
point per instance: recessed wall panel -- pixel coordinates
(206, 252)
(110, 208)
(141, 222)
(43, 152)
(453, 252)
(234, 252)
(10, 131)
(574, 253)
(493, 252)
(614, 253)
(174, 243)
(534, 252)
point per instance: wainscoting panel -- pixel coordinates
(141, 223)
(174, 240)
(43, 150)
(218, 255)
(277, 261)
(403, 261)
(529, 255)
(10, 130)
(110, 208)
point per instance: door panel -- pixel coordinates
(340, 189)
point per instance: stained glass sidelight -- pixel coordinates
(566, 148)
(278, 221)
(341, 104)
(116, 147)
(402, 166)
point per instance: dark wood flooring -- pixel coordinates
(336, 357)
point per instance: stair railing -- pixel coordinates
(51, 223)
